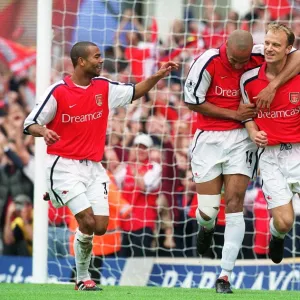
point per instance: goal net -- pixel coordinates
(151, 237)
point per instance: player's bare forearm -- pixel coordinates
(290, 70)
(49, 136)
(210, 110)
(251, 128)
(36, 130)
(259, 137)
(244, 111)
(145, 86)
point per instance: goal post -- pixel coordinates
(43, 80)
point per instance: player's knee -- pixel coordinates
(234, 203)
(87, 223)
(208, 208)
(100, 229)
(284, 225)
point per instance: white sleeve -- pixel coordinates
(152, 178)
(246, 77)
(120, 94)
(258, 49)
(44, 111)
(244, 94)
(198, 79)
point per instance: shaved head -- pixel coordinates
(80, 49)
(240, 40)
(238, 48)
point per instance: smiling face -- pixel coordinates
(92, 63)
(276, 46)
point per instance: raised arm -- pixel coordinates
(145, 86)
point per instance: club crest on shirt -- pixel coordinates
(190, 85)
(98, 99)
(294, 97)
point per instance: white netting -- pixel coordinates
(132, 42)
(135, 37)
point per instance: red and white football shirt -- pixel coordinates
(282, 122)
(211, 78)
(79, 115)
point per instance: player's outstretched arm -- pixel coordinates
(290, 70)
(145, 86)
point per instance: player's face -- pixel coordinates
(94, 62)
(275, 47)
(237, 58)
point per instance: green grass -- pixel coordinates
(66, 292)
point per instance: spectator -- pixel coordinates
(140, 188)
(18, 228)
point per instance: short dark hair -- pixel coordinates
(275, 27)
(80, 50)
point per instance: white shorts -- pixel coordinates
(222, 152)
(280, 172)
(68, 178)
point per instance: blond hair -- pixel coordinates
(275, 27)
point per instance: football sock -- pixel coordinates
(233, 239)
(226, 273)
(274, 231)
(83, 250)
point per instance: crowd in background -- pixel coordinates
(164, 214)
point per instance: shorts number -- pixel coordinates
(249, 157)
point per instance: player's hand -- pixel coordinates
(246, 111)
(265, 97)
(166, 69)
(50, 137)
(260, 138)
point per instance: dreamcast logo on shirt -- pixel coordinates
(226, 92)
(66, 118)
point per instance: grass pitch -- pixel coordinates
(67, 292)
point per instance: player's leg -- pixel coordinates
(209, 198)
(206, 162)
(67, 182)
(235, 188)
(83, 241)
(237, 171)
(279, 167)
(93, 220)
(280, 224)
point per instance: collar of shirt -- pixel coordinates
(262, 72)
(71, 84)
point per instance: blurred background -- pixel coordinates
(135, 37)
